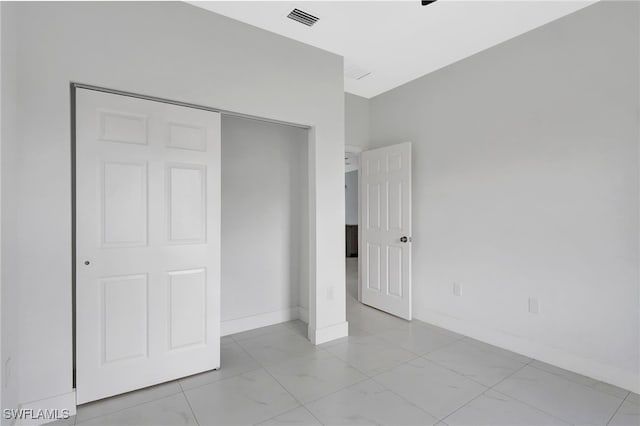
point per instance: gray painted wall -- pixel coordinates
(351, 197)
(525, 185)
(10, 309)
(357, 127)
(166, 49)
(264, 194)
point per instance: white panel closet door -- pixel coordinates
(385, 253)
(147, 243)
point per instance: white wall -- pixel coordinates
(171, 50)
(351, 197)
(10, 330)
(357, 127)
(526, 185)
(264, 191)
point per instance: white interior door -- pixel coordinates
(385, 244)
(147, 243)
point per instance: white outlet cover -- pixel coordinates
(457, 289)
(533, 305)
(330, 293)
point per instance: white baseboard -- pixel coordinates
(559, 358)
(327, 334)
(256, 321)
(38, 409)
(317, 336)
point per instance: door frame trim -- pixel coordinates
(357, 150)
(75, 85)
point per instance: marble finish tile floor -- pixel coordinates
(387, 372)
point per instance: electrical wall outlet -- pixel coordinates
(330, 293)
(457, 289)
(534, 308)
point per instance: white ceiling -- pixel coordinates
(398, 41)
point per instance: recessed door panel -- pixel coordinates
(187, 298)
(187, 136)
(124, 220)
(394, 205)
(394, 162)
(124, 317)
(187, 207)
(373, 276)
(123, 127)
(395, 271)
(372, 167)
(373, 206)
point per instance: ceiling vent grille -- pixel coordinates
(303, 17)
(353, 71)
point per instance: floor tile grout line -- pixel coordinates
(303, 404)
(488, 388)
(135, 405)
(418, 353)
(272, 376)
(474, 380)
(626, 399)
(400, 396)
(221, 379)
(184, 395)
(459, 373)
(368, 376)
(487, 350)
(578, 383)
(288, 411)
(311, 401)
(491, 388)
(528, 404)
(319, 348)
(530, 362)
(300, 404)
(404, 348)
(617, 409)
(283, 387)
(260, 367)
(404, 399)
(463, 405)
(371, 375)
(313, 415)
(524, 402)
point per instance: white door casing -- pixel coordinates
(385, 226)
(147, 243)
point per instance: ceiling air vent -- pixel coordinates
(303, 17)
(353, 71)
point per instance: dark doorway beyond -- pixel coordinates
(352, 240)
